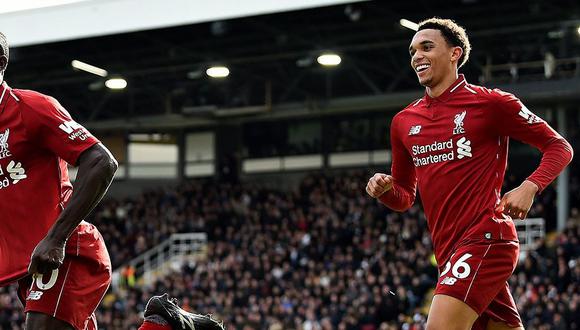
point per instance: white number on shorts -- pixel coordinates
(51, 281)
(459, 264)
(462, 264)
(447, 268)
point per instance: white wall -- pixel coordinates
(151, 160)
(92, 18)
(200, 154)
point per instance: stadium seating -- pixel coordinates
(322, 257)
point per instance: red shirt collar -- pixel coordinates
(4, 95)
(460, 81)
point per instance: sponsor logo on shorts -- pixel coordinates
(34, 295)
(460, 269)
(449, 281)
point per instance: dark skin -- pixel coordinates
(96, 168)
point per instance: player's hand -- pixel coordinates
(517, 202)
(47, 255)
(379, 184)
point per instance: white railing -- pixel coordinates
(162, 259)
(543, 69)
(529, 232)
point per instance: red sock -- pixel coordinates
(153, 326)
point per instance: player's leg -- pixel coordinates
(502, 312)
(35, 320)
(450, 313)
(469, 282)
(71, 293)
(162, 313)
(495, 325)
(39, 321)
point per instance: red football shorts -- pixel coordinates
(72, 292)
(477, 274)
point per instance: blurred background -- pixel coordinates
(246, 132)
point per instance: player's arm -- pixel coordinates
(396, 191)
(513, 119)
(51, 128)
(96, 168)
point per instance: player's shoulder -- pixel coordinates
(33, 104)
(488, 94)
(407, 114)
(414, 106)
(33, 99)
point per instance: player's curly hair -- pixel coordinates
(4, 45)
(453, 33)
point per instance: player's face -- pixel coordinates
(431, 57)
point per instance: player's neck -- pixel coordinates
(439, 88)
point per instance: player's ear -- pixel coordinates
(456, 53)
(3, 63)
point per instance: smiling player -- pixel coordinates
(453, 145)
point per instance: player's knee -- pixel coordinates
(443, 323)
(39, 321)
(493, 325)
(440, 326)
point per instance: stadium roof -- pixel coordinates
(273, 57)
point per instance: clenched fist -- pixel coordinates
(47, 255)
(379, 184)
(517, 202)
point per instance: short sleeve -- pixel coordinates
(51, 126)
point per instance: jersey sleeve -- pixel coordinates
(513, 119)
(51, 127)
(402, 195)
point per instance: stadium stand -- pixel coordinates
(322, 257)
(317, 254)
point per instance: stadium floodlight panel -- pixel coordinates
(116, 83)
(578, 30)
(218, 72)
(329, 59)
(79, 65)
(409, 24)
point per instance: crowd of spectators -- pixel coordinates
(324, 256)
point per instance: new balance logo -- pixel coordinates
(449, 281)
(459, 123)
(415, 130)
(34, 295)
(463, 148)
(4, 152)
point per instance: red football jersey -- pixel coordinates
(455, 148)
(37, 140)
